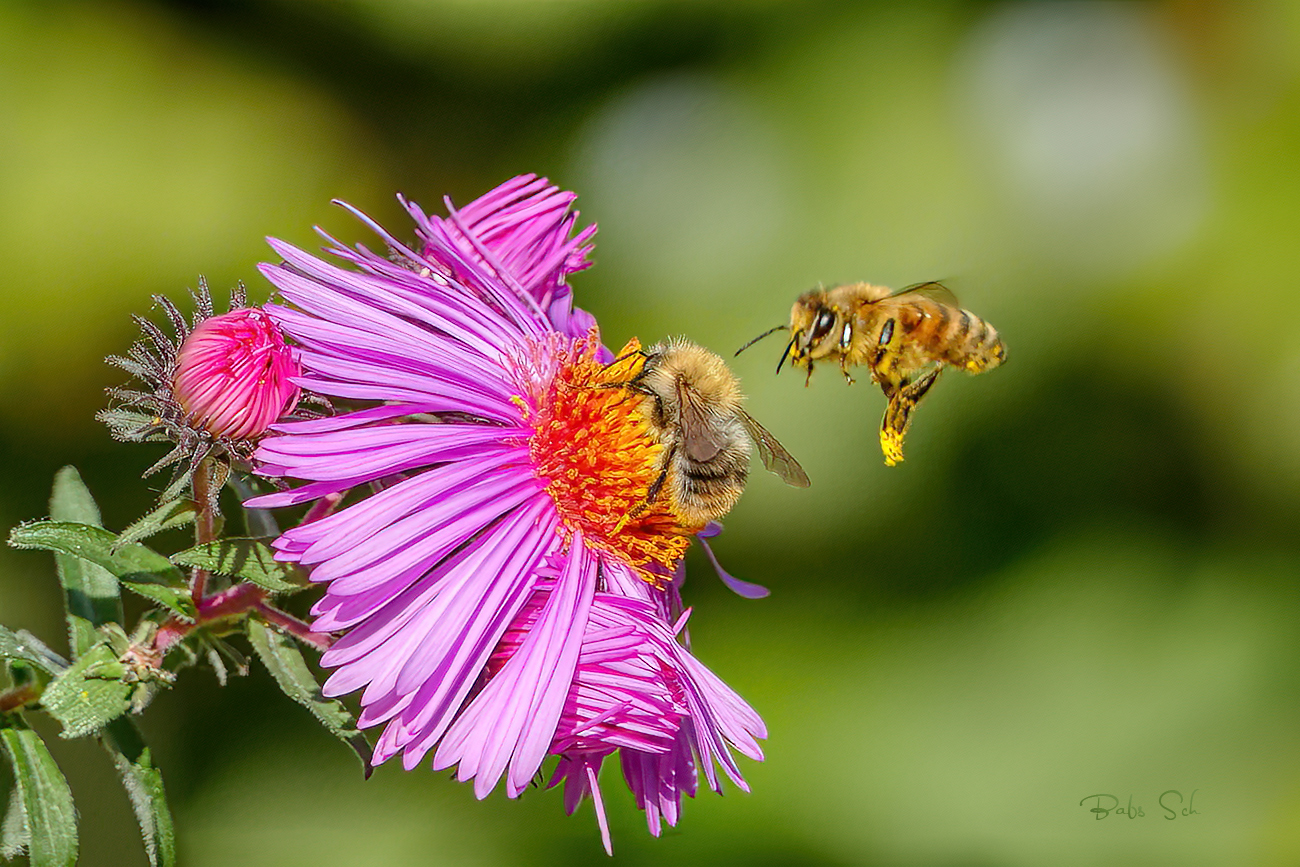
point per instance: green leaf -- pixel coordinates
(25, 647)
(285, 662)
(91, 592)
(90, 694)
(168, 516)
(243, 558)
(144, 786)
(146, 572)
(13, 831)
(48, 817)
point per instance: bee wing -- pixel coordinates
(931, 289)
(774, 455)
(701, 439)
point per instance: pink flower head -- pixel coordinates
(504, 595)
(235, 374)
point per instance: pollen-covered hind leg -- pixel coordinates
(898, 416)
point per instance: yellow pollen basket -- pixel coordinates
(891, 444)
(595, 448)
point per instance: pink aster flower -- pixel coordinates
(503, 595)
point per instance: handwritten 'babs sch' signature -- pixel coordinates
(1170, 801)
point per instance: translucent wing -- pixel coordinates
(932, 289)
(702, 439)
(774, 455)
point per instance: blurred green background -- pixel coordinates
(1083, 580)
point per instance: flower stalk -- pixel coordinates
(204, 524)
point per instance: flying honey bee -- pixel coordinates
(905, 338)
(693, 403)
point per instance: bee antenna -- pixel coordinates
(626, 355)
(784, 355)
(758, 338)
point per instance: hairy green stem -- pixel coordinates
(204, 523)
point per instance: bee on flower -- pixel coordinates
(507, 592)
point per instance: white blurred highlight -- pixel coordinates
(1090, 131)
(685, 179)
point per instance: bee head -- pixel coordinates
(813, 327)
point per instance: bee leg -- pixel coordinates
(627, 385)
(634, 382)
(889, 386)
(844, 369)
(633, 386)
(898, 415)
(651, 494)
(881, 371)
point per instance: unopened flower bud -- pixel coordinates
(234, 374)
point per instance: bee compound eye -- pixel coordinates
(823, 325)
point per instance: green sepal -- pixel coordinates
(168, 516)
(91, 594)
(131, 426)
(284, 660)
(142, 570)
(249, 559)
(221, 656)
(144, 787)
(46, 824)
(180, 481)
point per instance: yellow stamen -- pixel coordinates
(594, 446)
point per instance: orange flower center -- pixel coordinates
(594, 446)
